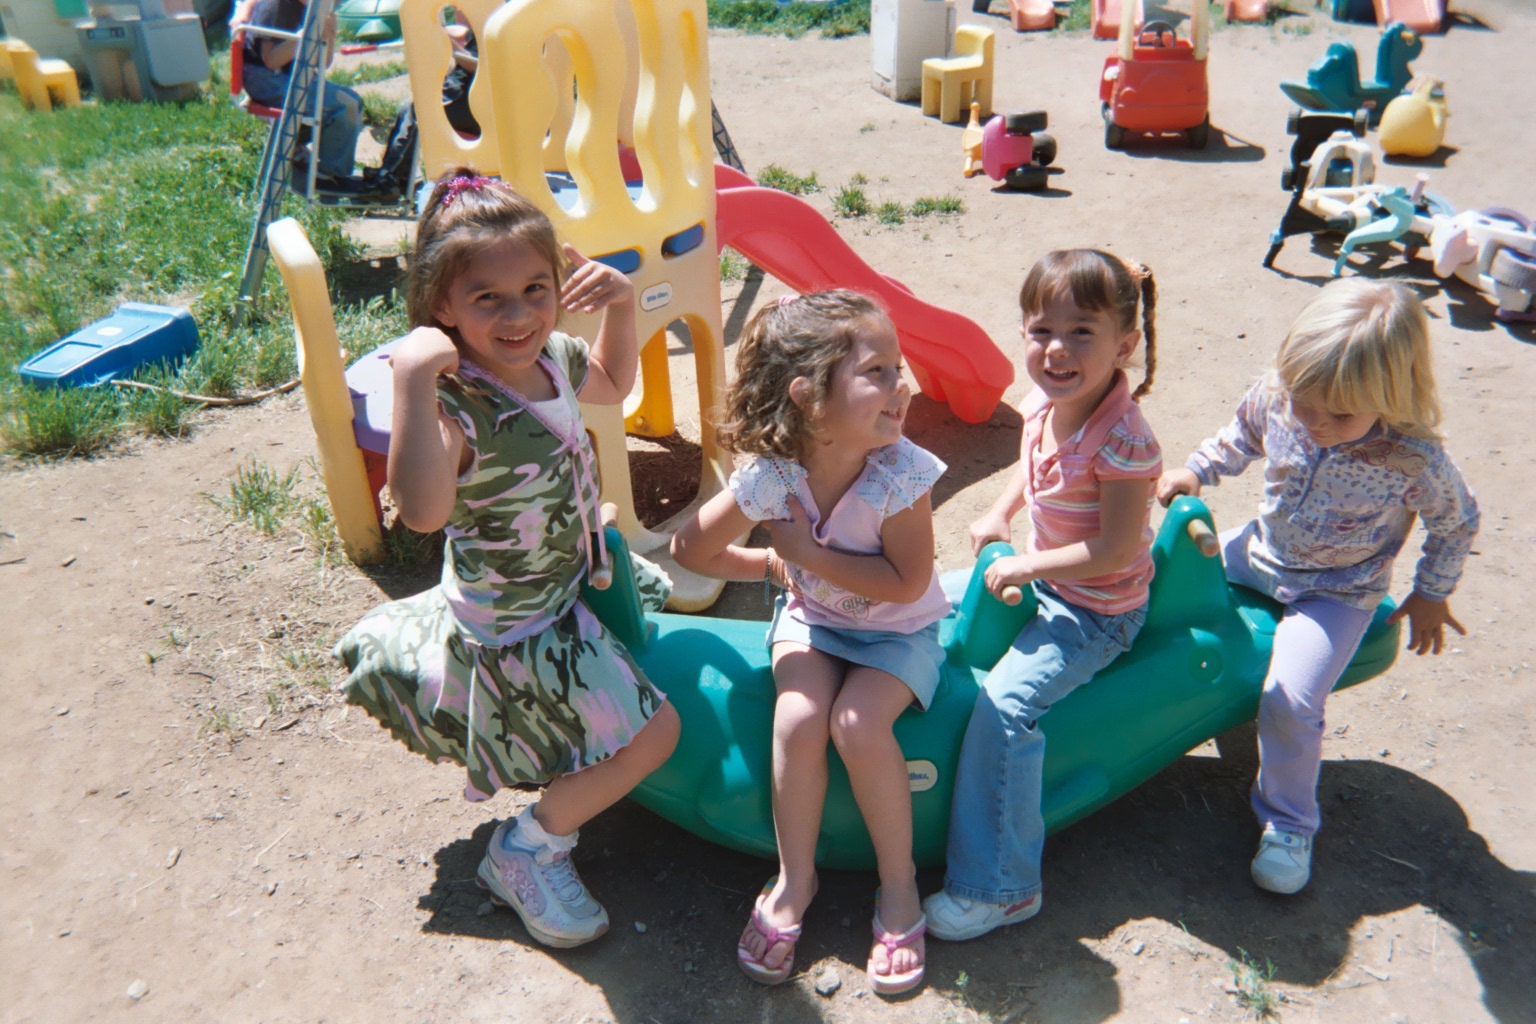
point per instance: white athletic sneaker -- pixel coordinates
(955, 918)
(1284, 861)
(531, 871)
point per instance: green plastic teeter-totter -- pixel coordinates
(1195, 671)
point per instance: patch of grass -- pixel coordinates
(316, 523)
(365, 73)
(143, 202)
(1252, 984)
(891, 212)
(850, 201)
(733, 266)
(774, 176)
(858, 178)
(216, 723)
(158, 413)
(60, 421)
(868, 126)
(379, 111)
(1079, 16)
(924, 205)
(766, 17)
(406, 550)
(258, 494)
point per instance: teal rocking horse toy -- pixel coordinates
(1334, 82)
(1195, 671)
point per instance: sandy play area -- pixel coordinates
(188, 811)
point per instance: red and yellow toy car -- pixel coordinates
(1154, 84)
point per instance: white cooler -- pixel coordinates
(903, 34)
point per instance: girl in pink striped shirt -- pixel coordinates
(1086, 469)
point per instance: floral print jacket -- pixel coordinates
(1332, 520)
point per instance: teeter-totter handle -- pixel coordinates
(1204, 538)
(601, 576)
(1012, 596)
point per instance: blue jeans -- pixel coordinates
(340, 124)
(996, 830)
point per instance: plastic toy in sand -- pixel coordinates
(1195, 671)
(1334, 82)
(370, 21)
(1419, 15)
(1155, 83)
(1246, 10)
(1414, 123)
(1494, 250)
(952, 84)
(1333, 189)
(1011, 148)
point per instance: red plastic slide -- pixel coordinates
(1420, 15)
(952, 358)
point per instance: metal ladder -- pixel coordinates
(723, 144)
(303, 106)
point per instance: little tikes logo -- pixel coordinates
(922, 776)
(656, 296)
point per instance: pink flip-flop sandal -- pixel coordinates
(757, 968)
(895, 984)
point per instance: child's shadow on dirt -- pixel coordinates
(1176, 849)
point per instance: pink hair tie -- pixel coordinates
(785, 300)
(463, 184)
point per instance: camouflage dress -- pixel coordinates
(501, 668)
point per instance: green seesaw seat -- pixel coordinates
(1195, 671)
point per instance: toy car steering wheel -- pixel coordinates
(1155, 29)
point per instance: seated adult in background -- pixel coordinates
(268, 67)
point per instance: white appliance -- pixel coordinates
(903, 34)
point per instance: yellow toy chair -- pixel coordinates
(42, 81)
(354, 501)
(952, 84)
(666, 231)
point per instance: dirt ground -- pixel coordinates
(189, 813)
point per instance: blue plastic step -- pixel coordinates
(135, 336)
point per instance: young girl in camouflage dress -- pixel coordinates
(819, 399)
(501, 668)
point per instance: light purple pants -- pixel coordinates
(1316, 638)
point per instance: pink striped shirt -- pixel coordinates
(1062, 490)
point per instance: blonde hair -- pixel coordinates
(1363, 347)
(804, 337)
(465, 215)
(1097, 281)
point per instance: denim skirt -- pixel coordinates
(914, 658)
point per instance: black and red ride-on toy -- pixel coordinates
(1154, 83)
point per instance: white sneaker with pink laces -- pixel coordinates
(531, 871)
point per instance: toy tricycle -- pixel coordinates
(1493, 250)
(1011, 148)
(1333, 188)
(1155, 84)
(1334, 83)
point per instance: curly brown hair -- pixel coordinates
(1097, 281)
(466, 214)
(806, 337)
